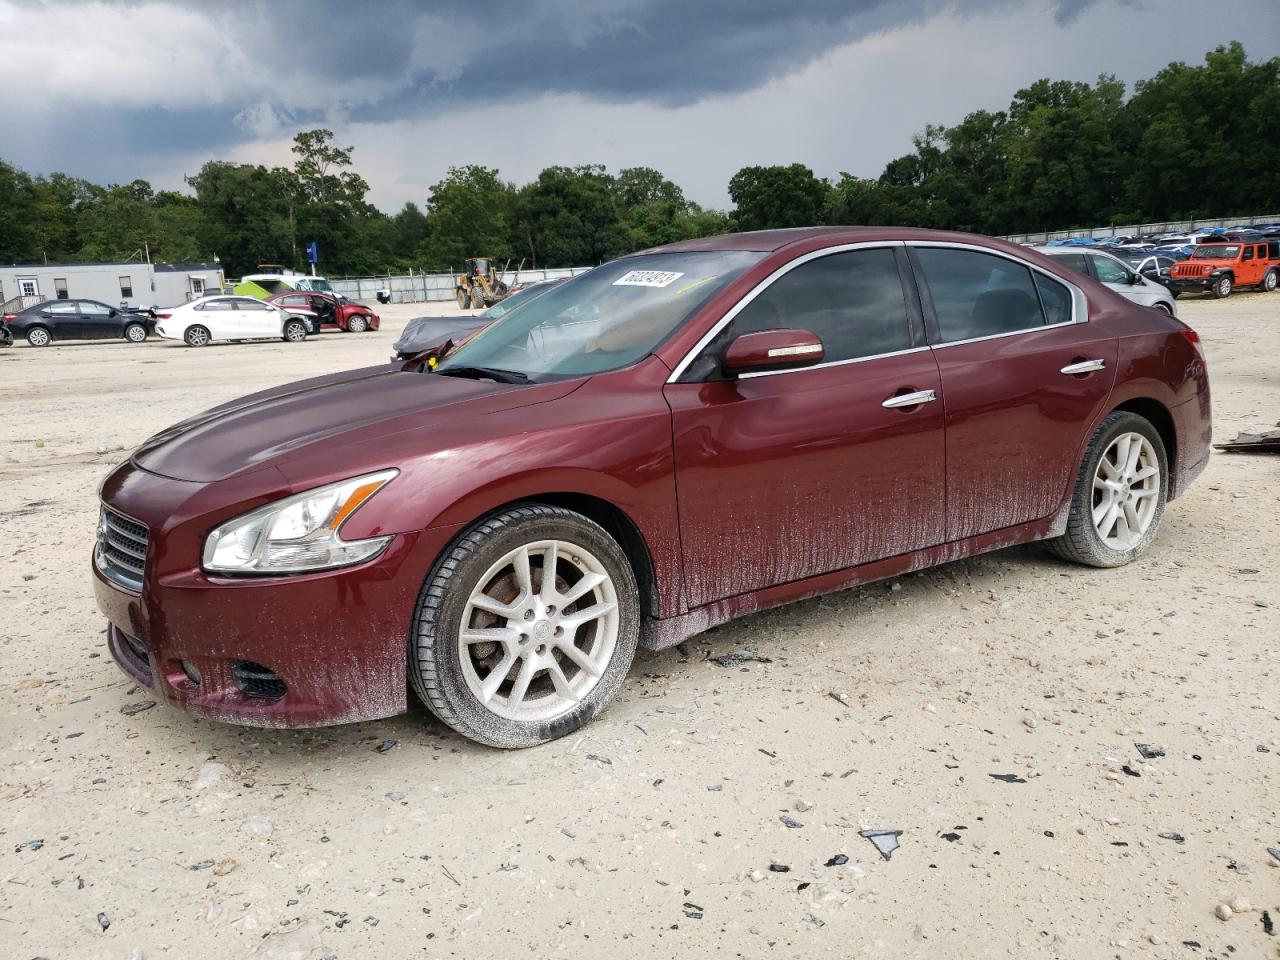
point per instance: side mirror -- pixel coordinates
(773, 350)
(115, 312)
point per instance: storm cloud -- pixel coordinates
(116, 90)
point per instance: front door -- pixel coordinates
(787, 475)
(257, 319)
(98, 322)
(1023, 379)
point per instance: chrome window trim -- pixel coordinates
(1079, 305)
(759, 288)
(832, 363)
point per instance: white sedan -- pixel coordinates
(228, 318)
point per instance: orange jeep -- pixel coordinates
(1221, 267)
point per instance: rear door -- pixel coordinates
(790, 474)
(64, 321)
(1023, 378)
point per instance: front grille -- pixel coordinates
(257, 681)
(122, 549)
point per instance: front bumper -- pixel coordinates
(1190, 284)
(337, 640)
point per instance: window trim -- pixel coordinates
(705, 340)
(1079, 302)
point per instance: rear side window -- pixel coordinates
(853, 301)
(1055, 298)
(1075, 261)
(216, 305)
(978, 294)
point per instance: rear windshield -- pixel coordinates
(1212, 251)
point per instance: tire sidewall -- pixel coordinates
(1269, 281)
(438, 624)
(1222, 287)
(1113, 426)
(357, 323)
(135, 326)
(190, 330)
(294, 325)
(37, 342)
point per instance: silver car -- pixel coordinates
(1115, 273)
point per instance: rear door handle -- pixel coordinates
(1084, 366)
(910, 399)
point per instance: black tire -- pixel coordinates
(461, 296)
(357, 323)
(1081, 542)
(1175, 294)
(197, 336)
(1163, 307)
(435, 663)
(295, 331)
(1222, 287)
(1270, 281)
(477, 298)
(39, 337)
(135, 333)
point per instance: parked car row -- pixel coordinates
(287, 316)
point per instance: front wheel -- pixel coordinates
(295, 331)
(461, 296)
(1120, 494)
(525, 628)
(477, 298)
(357, 323)
(1270, 281)
(1222, 288)
(135, 333)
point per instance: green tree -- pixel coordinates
(468, 215)
(569, 216)
(770, 197)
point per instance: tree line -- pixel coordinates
(1192, 141)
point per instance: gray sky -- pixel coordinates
(695, 88)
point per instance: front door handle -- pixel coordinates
(1084, 366)
(910, 399)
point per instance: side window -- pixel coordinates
(91, 309)
(1248, 253)
(216, 305)
(1055, 298)
(978, 294)
(1077, 262)
(853, 301)
(62, 307)
(126, 287)
(1109, 271)
(251, 305)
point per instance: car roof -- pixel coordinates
(767, 241)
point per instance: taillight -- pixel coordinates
(163, 316)
(9, 317)
(1190, 336)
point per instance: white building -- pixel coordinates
(135, 284)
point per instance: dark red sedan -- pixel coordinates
(676, 438)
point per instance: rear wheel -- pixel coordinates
(462, 298)
(295, 331)
(135, 333)
(357, 323)
(1120, 494)
(1222, 288)
(197, 336)
(38, 337)
(477, 298)
(525, 628)
(1270, 281)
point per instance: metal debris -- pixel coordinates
(1007, 777)
(738, 657)
(779, 868)
(886, 841)
(951, 837)
(1129, 771)
(1175, 837)
(791, 823)
(29, 845)
(132, 709)
(1266, 442)
(103, 922)
(839, 860)
(1275, 852)
(1149, 752)
(386, 745)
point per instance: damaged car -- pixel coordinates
(676, 438)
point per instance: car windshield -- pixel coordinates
(605, 319)
(1210, 251)
(517, 299)
(316, 283)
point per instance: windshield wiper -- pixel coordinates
(488, 373)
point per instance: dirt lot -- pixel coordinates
(652, 834)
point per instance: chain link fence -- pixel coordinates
(423, 287)
(1142, 229)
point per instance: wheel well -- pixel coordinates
(1159, 417)
(621, 528)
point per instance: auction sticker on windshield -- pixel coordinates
(647, 278)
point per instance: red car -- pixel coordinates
(322, 310)
(676, 438)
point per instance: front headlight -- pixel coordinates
(297, 534)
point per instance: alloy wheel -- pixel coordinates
(1126, 486)
(136, 333)
(538, 631)
(38, 337)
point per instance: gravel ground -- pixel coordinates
(655, 832)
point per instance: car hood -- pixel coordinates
(424, 332)
(268, 428)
